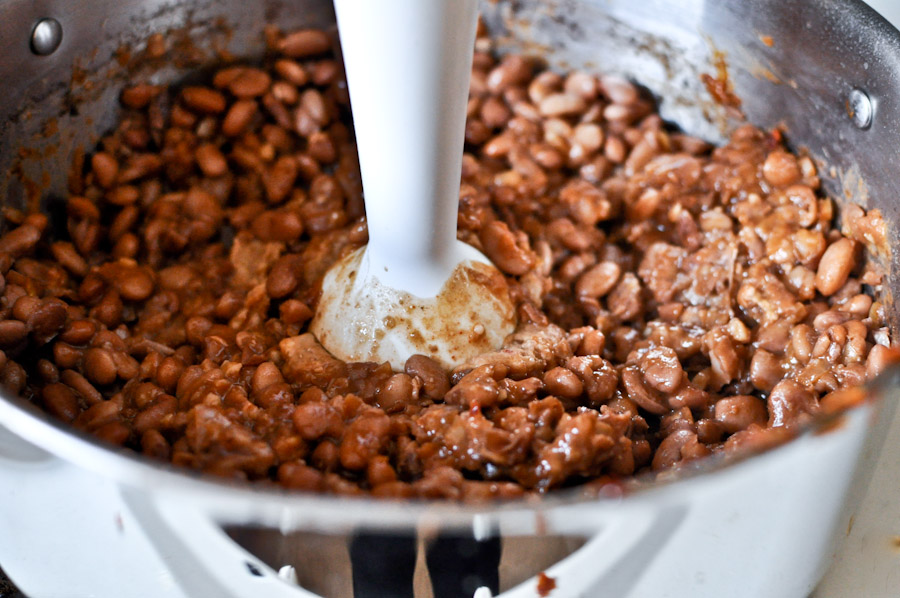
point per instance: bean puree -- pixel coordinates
(675, 300)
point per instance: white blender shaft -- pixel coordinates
(415, 288)
(408, 66)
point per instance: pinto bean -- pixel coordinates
(563, 383)
(99, 366)
(60, 401)
(250, 83)
(20, 241)
(789, 403)
(203, 99)
(304, 43)
(435, 381)
(210, 160)
(12, 332)
(507, 252)
(835, 266)
(106, 169)
(238, 117)
(640, 394)
(599, 280)
(363, 439)
(781, 169)
(661, 369)
(740, 412)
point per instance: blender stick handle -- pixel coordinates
(408, 66)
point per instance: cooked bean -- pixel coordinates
(563, 383)
(661, 369)
(640, 394)
(501, 246)
(513, 70)
(134, 283)
(614, 149)
(789, 402)
(765, 370)
(740, 412)
(24, 307)
(210, 160)
(835, 266)
(113, 432)
(299, 476)
(48, 317)
(285, 92)
(279, 179)
(203, 99)
(599, 280)
(292, 71)
(581, 84)
(284, 277)
(99, 366)
(679, 446)
(618, 89)
(314, 420)
(154, 444)
(106, 169)
(249, 83)
(780, 168)
(303, 43)
(80, 385)
(12, 332)
(60, 401)
(20, 241)
(138, 96)
(265, 376)
(363, 439)
(561, 104)
(396, 393)
(434, 379)
(238, 117)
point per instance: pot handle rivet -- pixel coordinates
(46, 36)
(859, 108)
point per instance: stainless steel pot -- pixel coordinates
(79, 519)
